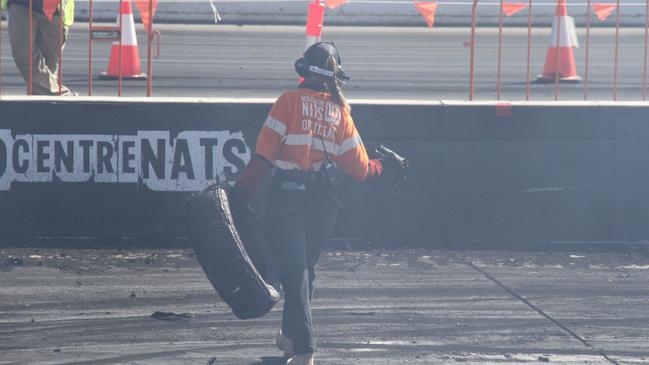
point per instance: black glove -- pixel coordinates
(388, 157)
(390, 160)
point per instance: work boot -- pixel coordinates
(285, 344)
(301, 359)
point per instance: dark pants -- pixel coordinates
(300, 218)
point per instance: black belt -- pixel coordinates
(298, 176)
(300, 179)
(293, 179)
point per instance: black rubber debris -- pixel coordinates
(170, 316)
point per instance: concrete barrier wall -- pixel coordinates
(119, 170)
(379, 13)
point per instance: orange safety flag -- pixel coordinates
(332, 4)
(603, 10)
(512, 8)
(143, 8)
(427, 10)
(49, 7)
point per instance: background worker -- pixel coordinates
(45, 42)
(309, 132)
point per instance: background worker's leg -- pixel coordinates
(44, 81)
(47, 42)
(19, 38)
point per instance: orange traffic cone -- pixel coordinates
(131, 67)
(565, 67)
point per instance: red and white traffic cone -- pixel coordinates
(131, 67)
(565, 68)
(314, 20)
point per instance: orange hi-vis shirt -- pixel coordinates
(302, 124)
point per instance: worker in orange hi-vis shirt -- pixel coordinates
(309, 133)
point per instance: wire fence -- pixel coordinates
(559, 66)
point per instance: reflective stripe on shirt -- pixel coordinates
(313, 142)
(286, 165)
(350, 143)
(275, 125)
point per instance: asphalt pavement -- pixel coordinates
(384, 62)
(371, 307)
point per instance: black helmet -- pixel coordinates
(314, 61)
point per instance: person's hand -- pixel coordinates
(374, 168)
(390, 160)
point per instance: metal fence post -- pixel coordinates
(500, 47)
(0, 51)
(646, 37)
(30, 61)
(149, 37)
(529, 50)
(617, 44)
(90, 15)
(556, 73)
(472, 61)
(119, 52)
(588, 16)
(59, 76)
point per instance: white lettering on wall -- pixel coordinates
(190, 161)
